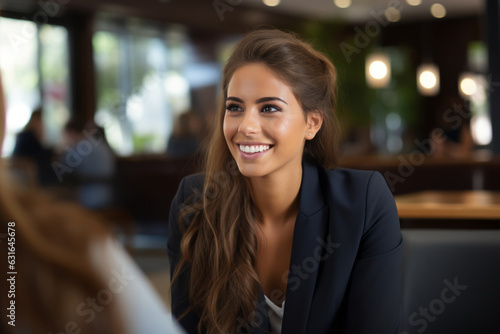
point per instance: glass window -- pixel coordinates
(141, 86)
(110, 100)
(475, 87)
(54, 69)
(19, 66)
(35, 70)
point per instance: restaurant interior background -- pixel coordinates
(419, 91)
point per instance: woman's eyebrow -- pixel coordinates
(236, 99)
(267, 99)
(262, 99)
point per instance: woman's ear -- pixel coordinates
(314, 121)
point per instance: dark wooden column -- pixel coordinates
(81, 29)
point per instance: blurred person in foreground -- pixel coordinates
(273, 237)
(71, 276)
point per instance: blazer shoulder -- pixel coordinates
(189, 185)
(360, 189)
(345, 178)
(353, 173)
(194, 180)
(368, 180)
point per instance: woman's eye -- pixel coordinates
(270, 108)
(233, 107)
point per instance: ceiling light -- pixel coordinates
(468, 86)
(473, 87)
(438, 10)
(378, 70)
(271, 3)
(342, 3)
(414, 2)
(428, 79)
(392, 14)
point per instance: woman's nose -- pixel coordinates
(250, 123)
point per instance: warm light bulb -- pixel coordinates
(468, 86)
(428, 79)
(392, 14)
(342, 3)
(414, 2)
(438, 10)
(271, 3)
(378, 69)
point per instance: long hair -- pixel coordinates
(49, 246)
(220, 244)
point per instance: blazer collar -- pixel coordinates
(308, 235)
(311, 194)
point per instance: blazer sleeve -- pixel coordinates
(373, 295)
(179, 295)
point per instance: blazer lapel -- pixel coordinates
(310, 229)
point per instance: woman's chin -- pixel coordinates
(252, 171)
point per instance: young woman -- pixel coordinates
(273, 237)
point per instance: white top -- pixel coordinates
(141, 308)
(275, 314)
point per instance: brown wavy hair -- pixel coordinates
(51, 241)
(220, 244)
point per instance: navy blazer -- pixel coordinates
(345, 266)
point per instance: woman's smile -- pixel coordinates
(253, 151)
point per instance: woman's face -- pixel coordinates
(264, 124)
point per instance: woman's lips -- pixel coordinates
(253, 151)
(254, 148)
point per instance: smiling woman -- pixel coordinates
(270, 117)
(273, 220)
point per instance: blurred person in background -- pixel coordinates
(184, 140)
(30, 146)
(89, 163)
(452, 137)
(71, 276)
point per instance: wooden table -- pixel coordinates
(476, 204)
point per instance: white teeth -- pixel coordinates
(254, 148)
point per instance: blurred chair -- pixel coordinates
(451, 281)
(119, 219)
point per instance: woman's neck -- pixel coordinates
(276, 196)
